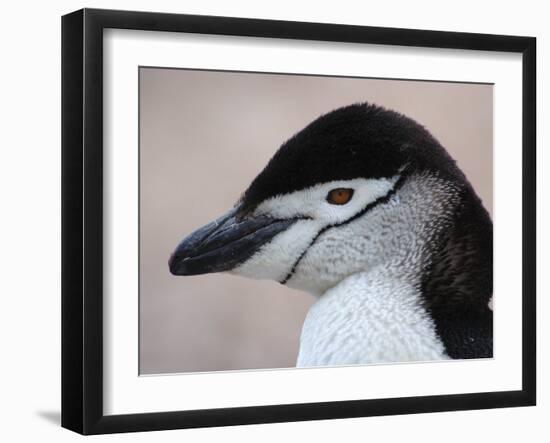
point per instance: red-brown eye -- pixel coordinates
(339, 196)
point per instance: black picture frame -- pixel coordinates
(82, 218)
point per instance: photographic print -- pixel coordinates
(303, 221)
(271, 221)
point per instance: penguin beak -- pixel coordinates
(224, 244)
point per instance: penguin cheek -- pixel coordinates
(275, 259)
(338, 253)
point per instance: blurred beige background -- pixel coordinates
(203, 137)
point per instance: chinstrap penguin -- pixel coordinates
(365, 210)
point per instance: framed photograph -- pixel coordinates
(269, 221)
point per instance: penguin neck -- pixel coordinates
(370, 317)
(457, 286)
(429, 303)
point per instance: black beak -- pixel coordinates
(223, 244)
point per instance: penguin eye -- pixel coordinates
(339, 196)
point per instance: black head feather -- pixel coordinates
(360, 140)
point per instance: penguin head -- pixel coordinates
(356, 187)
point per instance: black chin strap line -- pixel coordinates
(367, 208)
